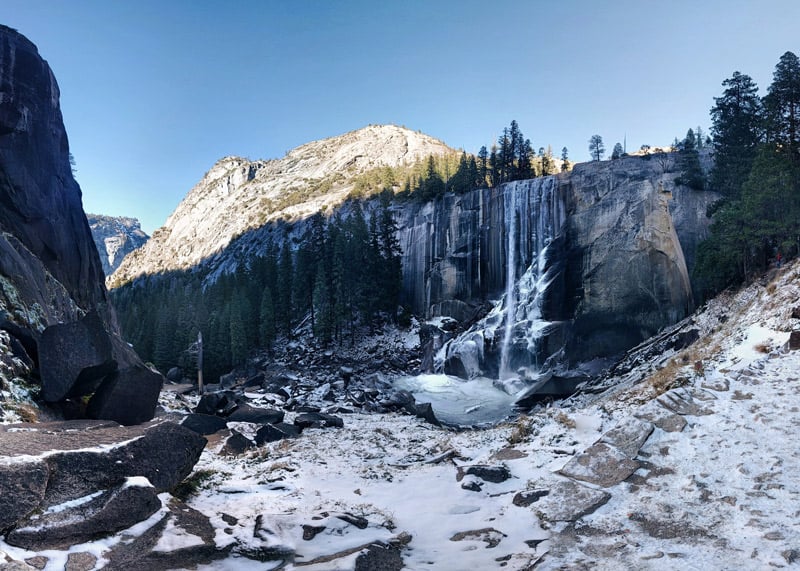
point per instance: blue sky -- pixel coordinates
(154, 92)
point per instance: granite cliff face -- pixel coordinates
(47, 249)
(51, 279)
(615, 266)
(115, 237)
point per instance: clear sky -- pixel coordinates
(155, 91)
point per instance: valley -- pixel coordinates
(379, 352)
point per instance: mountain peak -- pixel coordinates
(237, 194)
(115, 237)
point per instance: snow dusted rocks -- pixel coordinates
(685, 401)
(96, 515)
(661, 417)
(600, 464)
(568, 501)
(89, 478)
(611, 459)
(628, 436)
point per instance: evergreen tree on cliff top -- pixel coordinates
(691, 173)
(596, 147)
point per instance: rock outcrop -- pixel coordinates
(115, 237)
(51, 278)
(69, 482)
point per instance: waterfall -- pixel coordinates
(515, 344)
(511, 278)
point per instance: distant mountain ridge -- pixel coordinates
(237, 194)
(115, 237)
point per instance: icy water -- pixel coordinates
(460, 402)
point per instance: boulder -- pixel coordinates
(128, 396)
(22, 489)
(74, 358)
(661, 417)
(237, 443)
(175, 375)
(220, 403)
(275, 432)
(794, 340)
(525, 498)
(569, 501)
(203, 423)
(684, 401)
(423, 410)
(97, 515)
(317, 420)
(628, 436)
(164, 453)
(380, 557)
(494, 474)
(248, 413)
(600, 464)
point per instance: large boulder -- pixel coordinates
(21, 490)
(78, 458)
(102, 514)
(93, 470)
(74, 358)
(128, 396)
(248, 413)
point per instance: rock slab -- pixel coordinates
(600, 464)
(104, 514)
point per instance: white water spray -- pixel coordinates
(511, 279)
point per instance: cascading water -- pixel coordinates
(510, 351)
(511, 279)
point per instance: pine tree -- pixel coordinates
(460, 182)
(691, 173)
(782, 105)
(564, 159)
(525, 169)
(483, 167)
(473, 175)
(617, 152)
(494, 167)
(596, 147)
(266, 318)
(736, 128)
(284, 290)
(237, 329)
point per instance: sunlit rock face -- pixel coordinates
(115, 237)
(227, 209)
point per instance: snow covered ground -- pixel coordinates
(721, 493)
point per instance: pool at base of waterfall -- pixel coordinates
(460, 402)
